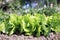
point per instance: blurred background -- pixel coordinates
(18, 5)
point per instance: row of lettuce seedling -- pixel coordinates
(28, 24)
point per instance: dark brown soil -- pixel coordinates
(22, 37)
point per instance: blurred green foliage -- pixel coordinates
(29, 24)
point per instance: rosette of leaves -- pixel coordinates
(28, 24)
(14, 23)
(5, 26)
(8, 27)
(48, 25)
(38, 26)
(56, 22)
(41, 22)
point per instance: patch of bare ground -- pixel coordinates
(22, 37)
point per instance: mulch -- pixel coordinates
(22, 37)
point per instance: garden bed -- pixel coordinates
(36, 24)
(22, 37)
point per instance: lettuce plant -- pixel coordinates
(56, 22)
(28, 24)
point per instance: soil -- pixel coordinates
(22, 37)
